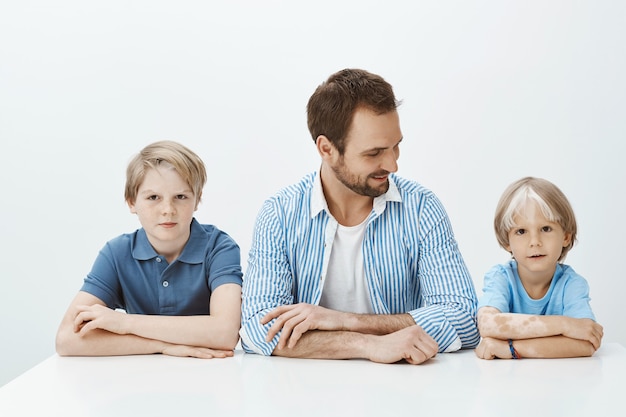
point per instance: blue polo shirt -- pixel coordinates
(130, 275)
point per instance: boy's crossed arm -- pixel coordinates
(536, 336)
(89, 328)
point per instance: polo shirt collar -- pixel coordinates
(318, 201)
(193, 252)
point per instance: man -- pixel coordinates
(354, 261)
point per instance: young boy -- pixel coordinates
(534, 306)
(178, 281)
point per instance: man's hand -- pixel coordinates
(296, 319)
(412, 344)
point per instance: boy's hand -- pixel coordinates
(491, 348)
(585, 329)
(195, 352)
(97, 316)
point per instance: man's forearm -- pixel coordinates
(378, 324)
(316, 344)
(410, 343)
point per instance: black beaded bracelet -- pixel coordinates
(514, 352)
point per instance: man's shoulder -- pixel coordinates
(415, 196)
(296, 190)
(411, 188)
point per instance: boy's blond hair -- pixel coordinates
(550, 200)
(182, 159)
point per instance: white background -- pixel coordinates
(492, 91)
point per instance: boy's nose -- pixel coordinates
(167, 207)
(535, 240)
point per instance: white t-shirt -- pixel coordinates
(345, 288)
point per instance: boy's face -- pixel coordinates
(536, 244)
(165, 205)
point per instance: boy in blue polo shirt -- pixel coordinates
(535, 306)
(178, 281)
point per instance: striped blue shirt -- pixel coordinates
(411, 260)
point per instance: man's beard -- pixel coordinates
(359, 185)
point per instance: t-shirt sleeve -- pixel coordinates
(497, 291)
(224, 262)
(103, 281)
(576, 300)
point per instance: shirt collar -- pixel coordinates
(318, 201)
(193, 252)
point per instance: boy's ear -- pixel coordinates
(567, 239)
(131, 206)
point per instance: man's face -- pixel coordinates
(371, 153)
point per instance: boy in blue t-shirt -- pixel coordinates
(178, 281)
(534, 306)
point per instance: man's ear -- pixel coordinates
(324, 147)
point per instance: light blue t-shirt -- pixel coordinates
(568, 294)
(130, 275)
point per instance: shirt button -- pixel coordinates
(165, 283)
(158, 259)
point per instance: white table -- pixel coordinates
(456, 384)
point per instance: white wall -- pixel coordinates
(492, 90)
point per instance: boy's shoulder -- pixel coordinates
(202, 233)
(566, 274)
(124, 239)
(506, 269)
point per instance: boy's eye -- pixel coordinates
(546, 229)
(181, 197)
(153, 197)
(520, 231)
